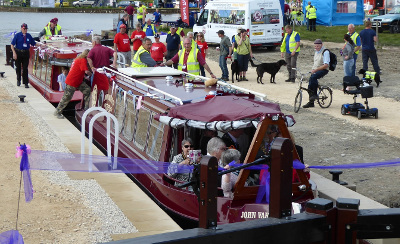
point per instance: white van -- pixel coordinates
(262, 18)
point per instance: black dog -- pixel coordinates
(271, 68)
(235, 69)
(377, 77)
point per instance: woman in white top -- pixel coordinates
(228, 181)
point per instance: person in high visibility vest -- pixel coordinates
(51, 29)
(191, 36)
(357, 41)
(290, 49)
(149, 28)
(142, 57)
(307, 13)
(312, 16)
(141, 13)
(189, 59)
(235, 38)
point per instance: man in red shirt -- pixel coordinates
(137, 37)
(130, 11)
(122, 45)
(158, 50)
(75, 82)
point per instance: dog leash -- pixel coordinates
(257, 60)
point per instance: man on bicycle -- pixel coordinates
(319, 70)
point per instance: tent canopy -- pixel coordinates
(226, 108)
(336, 12)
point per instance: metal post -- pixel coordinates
(347, 212)
(208, 192)
(281, 178)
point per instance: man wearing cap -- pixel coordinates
(51, 29)
(137, 37)
(143, 58)
(122, 44)
(149, 28)
(290, 49)
(319, 70)
(124, 21)
(225, 51)
(158, 50)
(189, 59)
(173, 40)
(234, 42)
(20, 46)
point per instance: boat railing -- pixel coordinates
(166, 94)
(109, 116)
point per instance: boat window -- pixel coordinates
(39, 66)
(120, 111)
(43, 67)
(142, 125)
(36, 63)
(155, 138)
(130, 118)
(100, 99)
(48, 70)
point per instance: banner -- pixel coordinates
(184, 4)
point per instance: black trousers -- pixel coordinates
(313, 24)
(22, 62)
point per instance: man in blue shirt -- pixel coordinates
(20, 46)
(173, 40)
(149, 28)
(368, 38)
(124, 21)
(157, 17)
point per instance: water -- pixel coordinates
(11, 21)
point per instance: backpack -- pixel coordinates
(333, 60)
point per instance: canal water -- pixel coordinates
(74, 22)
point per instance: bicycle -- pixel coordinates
(324, 93)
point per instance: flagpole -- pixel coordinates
(19, 198)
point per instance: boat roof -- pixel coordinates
(226, 108)
(65, 47)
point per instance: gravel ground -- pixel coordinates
(62, 210)
(329, 138)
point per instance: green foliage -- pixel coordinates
(336, 33)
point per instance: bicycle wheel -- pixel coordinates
(325, 97)
(297, 101)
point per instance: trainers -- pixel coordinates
(18, 82)
(245, 79)
(226, 79)
(58, 115)
(26, 86)
(288, 80)
(309, 105)
(313, 97)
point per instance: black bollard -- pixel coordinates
(21, 98)
(335, 177)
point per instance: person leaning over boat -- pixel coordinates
(189, 59)
(99, 57)
(51, 29)
(180, 160)
(75, 81)
(142, 57)
(20, 46)
(122, 45)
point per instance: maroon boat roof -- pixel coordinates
(225, 108)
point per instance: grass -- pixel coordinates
(336, 33)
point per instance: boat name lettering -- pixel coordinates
(254, 215)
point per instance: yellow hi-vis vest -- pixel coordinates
(136, 62)
(370, 75)
(293, 15)
(292, 42)
(57, 29)
(312, 13)
(354, 38)
(192, 64)
(307, 13)
(236, 40)
(140, 13)
(194, 44)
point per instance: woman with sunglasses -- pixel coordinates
(202, 44)
(175, 169)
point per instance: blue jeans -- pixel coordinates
(313, 81)
(223, 66)
(348, 66)
(353, 72)
(370, 54)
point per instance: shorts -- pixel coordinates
(243, 62)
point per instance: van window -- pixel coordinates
(203, 18)
(264, 16)
(231, 17)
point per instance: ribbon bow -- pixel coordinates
(23, 151)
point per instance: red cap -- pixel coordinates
(53, 21)
(122, 26)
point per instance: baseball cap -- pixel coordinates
(239, 29)
(53, 21)
(221, 32)
(24, 26)
(172, 26)
(156, 36)
(122, 26)
(318, 41)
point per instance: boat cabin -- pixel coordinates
(158, 107)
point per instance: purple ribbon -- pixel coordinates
(11, 237)
(24, 167)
